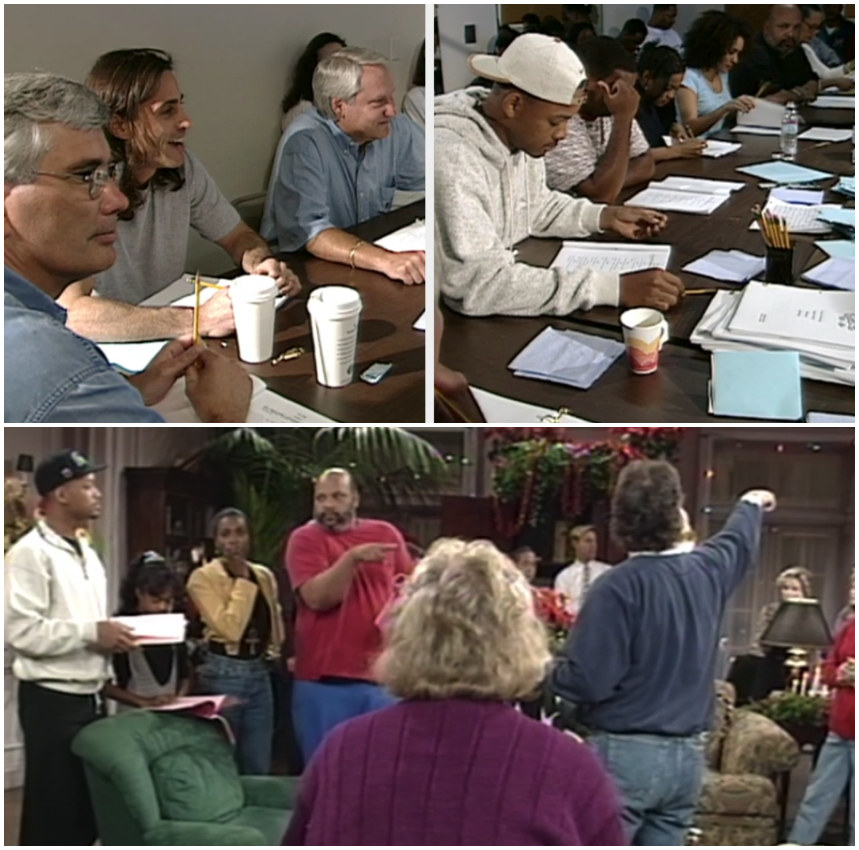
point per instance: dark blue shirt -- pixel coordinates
(642, 656)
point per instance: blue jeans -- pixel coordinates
(659, 779)
(832, 775)
(317, 707)
(252, 719)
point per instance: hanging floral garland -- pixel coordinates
(540, 470)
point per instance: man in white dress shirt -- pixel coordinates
(575, 580)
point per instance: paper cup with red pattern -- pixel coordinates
(645, 331)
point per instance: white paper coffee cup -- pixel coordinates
(253, 297)
(645, 331)
(334, 312)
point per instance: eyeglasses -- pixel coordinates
(95, 178)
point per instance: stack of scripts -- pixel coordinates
(566, 357)
(818, 324)
(412, 237)
(686, 194)
(799, 218)
(846, 185)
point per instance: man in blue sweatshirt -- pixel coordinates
(640, 663)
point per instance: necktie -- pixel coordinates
(586, 581)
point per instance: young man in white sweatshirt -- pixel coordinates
(490, 193)
(56, 623)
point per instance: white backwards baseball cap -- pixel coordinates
(543, 66)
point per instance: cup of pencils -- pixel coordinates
(779, 247)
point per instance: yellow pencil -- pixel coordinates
(699, 291)
(197, 309)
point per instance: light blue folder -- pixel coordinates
(756, 384)
(784, 172)
(839, 216)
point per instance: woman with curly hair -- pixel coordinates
(713, 45)
(454, 763)
(299, 98)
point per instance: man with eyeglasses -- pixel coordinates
(61, 203)
(56, 623)
(491, 193)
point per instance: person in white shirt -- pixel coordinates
(660, 27)
(56, 623)
(824, 61)
(575, 580)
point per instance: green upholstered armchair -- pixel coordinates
(163, 778)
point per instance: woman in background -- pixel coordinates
(454, 763)
(660, 75)
(243, 629)
(149, 675)
(713, 45)
(299, 98)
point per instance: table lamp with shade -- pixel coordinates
(798, 626)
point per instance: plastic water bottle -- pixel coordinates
(789, 131)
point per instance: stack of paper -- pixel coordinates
(800, 218)
(832, 101)
(756, 131)
(617, 257)
(698, 185)
(764, 114)
(825, 134)
(846, 186)
(730, 266)
(797, 196)
(566, 357)
(816, 323)
(150, 629)
(784, 172)
(756, 385)
(410, 238)
(508, 411)
(843, 219)
(834, 272)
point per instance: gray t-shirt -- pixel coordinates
(151, 249)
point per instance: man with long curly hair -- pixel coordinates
(641, 661)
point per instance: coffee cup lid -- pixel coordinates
(335, 300)
(253, 288)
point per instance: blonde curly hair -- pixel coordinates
(464, 627)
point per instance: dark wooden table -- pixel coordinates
(481, 348)
(816, 117)
(385, 335)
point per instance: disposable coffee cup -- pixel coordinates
(334, 312)
(645, 331)
(253, 297)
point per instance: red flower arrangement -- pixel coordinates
(550, 606)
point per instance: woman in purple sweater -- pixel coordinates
(453, 763)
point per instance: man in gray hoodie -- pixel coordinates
(491, 193)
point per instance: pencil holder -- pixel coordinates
(779, 265)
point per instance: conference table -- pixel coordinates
(482, 347)
(385, 335)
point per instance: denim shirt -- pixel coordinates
(54, 375)
(322, 179)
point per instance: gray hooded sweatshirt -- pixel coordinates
(487, 199)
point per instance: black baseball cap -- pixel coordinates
(59, 469)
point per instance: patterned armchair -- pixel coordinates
(738, 804)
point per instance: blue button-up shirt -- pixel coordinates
(323, 179)
(54, 375)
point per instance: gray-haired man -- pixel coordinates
(60, 204)
(341, 163)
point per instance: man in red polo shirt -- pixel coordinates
(344, 571)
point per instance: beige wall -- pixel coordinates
(232, 61)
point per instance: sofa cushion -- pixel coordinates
(737, 794)
(722, 714)
(736, 831)
(197, 785)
